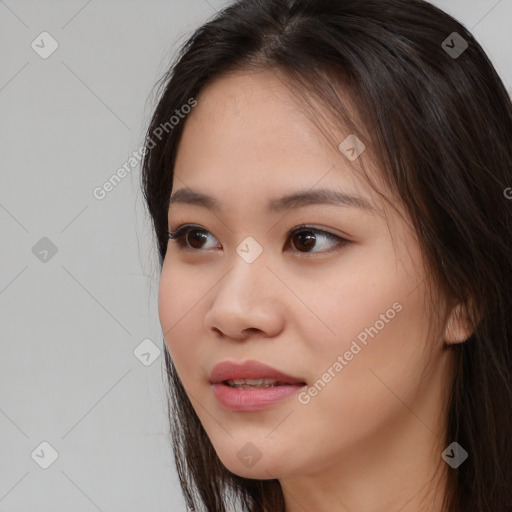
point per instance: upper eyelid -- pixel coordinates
(189, 227)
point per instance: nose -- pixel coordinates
(248, 299)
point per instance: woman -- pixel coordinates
(328, 186)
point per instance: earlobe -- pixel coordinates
(458, 326)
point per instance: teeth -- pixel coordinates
(253, 383)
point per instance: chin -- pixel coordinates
(259, 470)
(255, 473)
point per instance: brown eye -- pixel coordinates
(307, 239)
(193, 238)
(196, 238)
(189, 237)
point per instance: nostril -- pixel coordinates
(245, 333)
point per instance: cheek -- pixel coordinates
(180, 292)
(379, 351)
(178, 300)
(353, 400)
(362, 302)
(374, 319)
(167, 304)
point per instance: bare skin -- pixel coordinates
(371, 439)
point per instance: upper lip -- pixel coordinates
(230, 370)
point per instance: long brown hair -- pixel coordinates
(439, 121)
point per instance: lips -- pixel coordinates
(231, 371)
(251, 386)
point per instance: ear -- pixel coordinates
(458, 325)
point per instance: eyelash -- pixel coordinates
(178, 236)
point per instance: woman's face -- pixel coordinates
(347, 319)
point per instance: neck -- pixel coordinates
(401, 470)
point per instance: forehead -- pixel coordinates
(249, 136)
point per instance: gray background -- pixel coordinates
(71, 321)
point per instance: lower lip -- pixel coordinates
(235, 399)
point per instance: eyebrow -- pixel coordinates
(297, 199)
